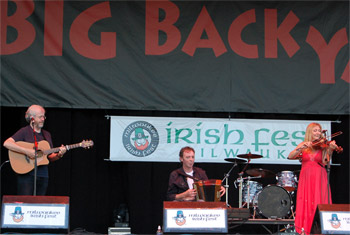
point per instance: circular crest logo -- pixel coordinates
(140, 138)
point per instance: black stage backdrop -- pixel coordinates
(97, 187)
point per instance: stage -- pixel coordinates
(272, 226)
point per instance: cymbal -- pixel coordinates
(249, 156)
(236, 160)
(260, 172)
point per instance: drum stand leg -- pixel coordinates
(254, 212)
(248, 192)
(291, 209)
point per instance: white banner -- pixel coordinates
(15, 215)
(336, 222)
(158, 139)
(195, 220)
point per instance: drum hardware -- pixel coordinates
(260, 172)
(292, 211)
(252, 177)
(249, 186)
(236, 161)
(287, 180)
(273, 202)
(254, 211)
(292, 216)
(249, 156)
(289, 229)
(257, 173)
(240, 181)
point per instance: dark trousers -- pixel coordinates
(25, 185)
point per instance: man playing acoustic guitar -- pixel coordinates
(31, 134)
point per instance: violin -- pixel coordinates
(323, 143)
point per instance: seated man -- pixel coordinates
(181, 180)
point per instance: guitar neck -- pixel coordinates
(68, 147)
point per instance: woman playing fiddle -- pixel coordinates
(313, 182)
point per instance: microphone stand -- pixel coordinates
(328, 185)
(35, 159)
(328, 169)
(1, 174)
(226, 182)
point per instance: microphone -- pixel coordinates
(32, 122)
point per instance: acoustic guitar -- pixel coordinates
(22, 164)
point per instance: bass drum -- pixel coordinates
(273, 202)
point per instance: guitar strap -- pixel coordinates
(44, 134)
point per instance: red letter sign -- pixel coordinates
(153, 26)
(272, 33)
(327, 53)
(204, 22)
(235, 35)
(25, 30)
(79, 34)
(53, 30)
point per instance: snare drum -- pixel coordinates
(273, 202)
(254, 189)
(287, 180)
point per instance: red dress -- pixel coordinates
(312, 189)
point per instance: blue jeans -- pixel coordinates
(25, 185)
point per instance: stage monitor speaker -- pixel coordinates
(119, 230)
(35, 214)
(331, 219)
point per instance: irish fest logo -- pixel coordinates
(180, 219)
(335, 222)
(140, 138)
(17, 216)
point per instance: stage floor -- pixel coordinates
(259, 226)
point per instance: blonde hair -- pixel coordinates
(308, 134)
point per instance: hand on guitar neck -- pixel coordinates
(22, 163)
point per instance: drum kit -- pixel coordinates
(272, 201)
